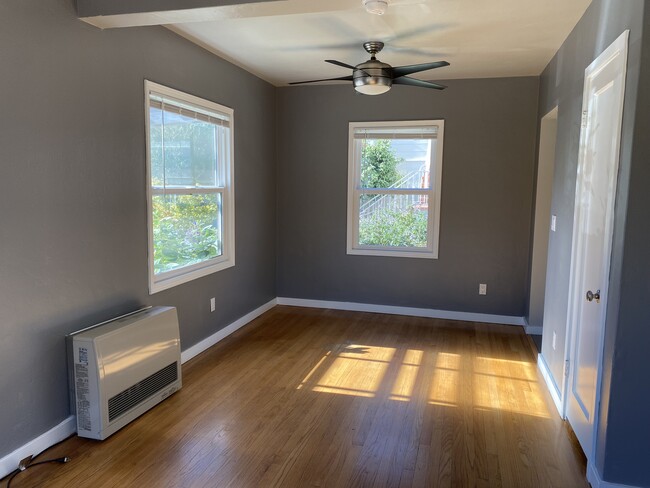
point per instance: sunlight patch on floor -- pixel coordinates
(454, 380)
(444, 388)
(408, 371)
(357, 370)
(507, 385)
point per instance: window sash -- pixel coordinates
(394, 130)
(222, 139)
(416, 249)
(358, 149)
(175, 273)
(206, 111)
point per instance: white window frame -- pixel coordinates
(225, 187)
(433, 193)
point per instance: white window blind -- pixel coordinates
(401, 133)
(170, 105)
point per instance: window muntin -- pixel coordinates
(394, 185)
(190, 186)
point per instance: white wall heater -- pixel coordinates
(121, 368)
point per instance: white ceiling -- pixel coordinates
(286, 41)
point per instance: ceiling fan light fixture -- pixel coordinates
(377, 7)
(373, 85)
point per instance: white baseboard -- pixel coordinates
(221, 334)
(533, 329)
(593, 477)
(393, 310)
(65, 429)
(550, 384)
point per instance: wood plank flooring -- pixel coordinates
(322, 398)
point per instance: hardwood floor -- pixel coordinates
(322, 398)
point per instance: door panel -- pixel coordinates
(595, 194)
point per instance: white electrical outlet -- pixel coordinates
(482, 289)
(554, 339)
(213, 305)
(553, 222)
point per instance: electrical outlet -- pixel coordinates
(213, 305)
(482, 289)
(554, 339)
(553, 222)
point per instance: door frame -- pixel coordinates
(618, 48)
(542, 219)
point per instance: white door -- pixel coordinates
(602, 107)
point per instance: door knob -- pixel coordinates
(593, 296)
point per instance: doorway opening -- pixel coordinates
(543, 193)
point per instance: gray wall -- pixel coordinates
(73, 235)
(622, 442)
(489, 154)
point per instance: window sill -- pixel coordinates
(158, 284)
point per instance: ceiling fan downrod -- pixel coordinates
(373, 47)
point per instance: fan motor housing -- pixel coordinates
(372, 72)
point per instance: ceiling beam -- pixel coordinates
(107, 14)
(93, 8)
(129, 13)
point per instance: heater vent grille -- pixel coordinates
(141, 391)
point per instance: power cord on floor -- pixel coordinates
(23, 468)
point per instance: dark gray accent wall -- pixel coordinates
(73, 234)
(623, 432)
(489, 154)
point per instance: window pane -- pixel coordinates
(183, 150)
(393, 220)
(396, 163)
(186, 230)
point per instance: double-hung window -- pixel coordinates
(394, 181)
(190, 186)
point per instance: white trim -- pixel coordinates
(532, 329)
(65, 429)
(221, 334)
(394, 310)
(593, 477)
(226, 187)
(550, 384)
(432, 193)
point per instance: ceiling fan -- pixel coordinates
(373, 77)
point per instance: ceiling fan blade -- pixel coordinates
(339, 63)
(342, 78)
(405, 80)
(416, 68)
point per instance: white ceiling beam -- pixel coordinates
(107, 14)
(92, 8)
